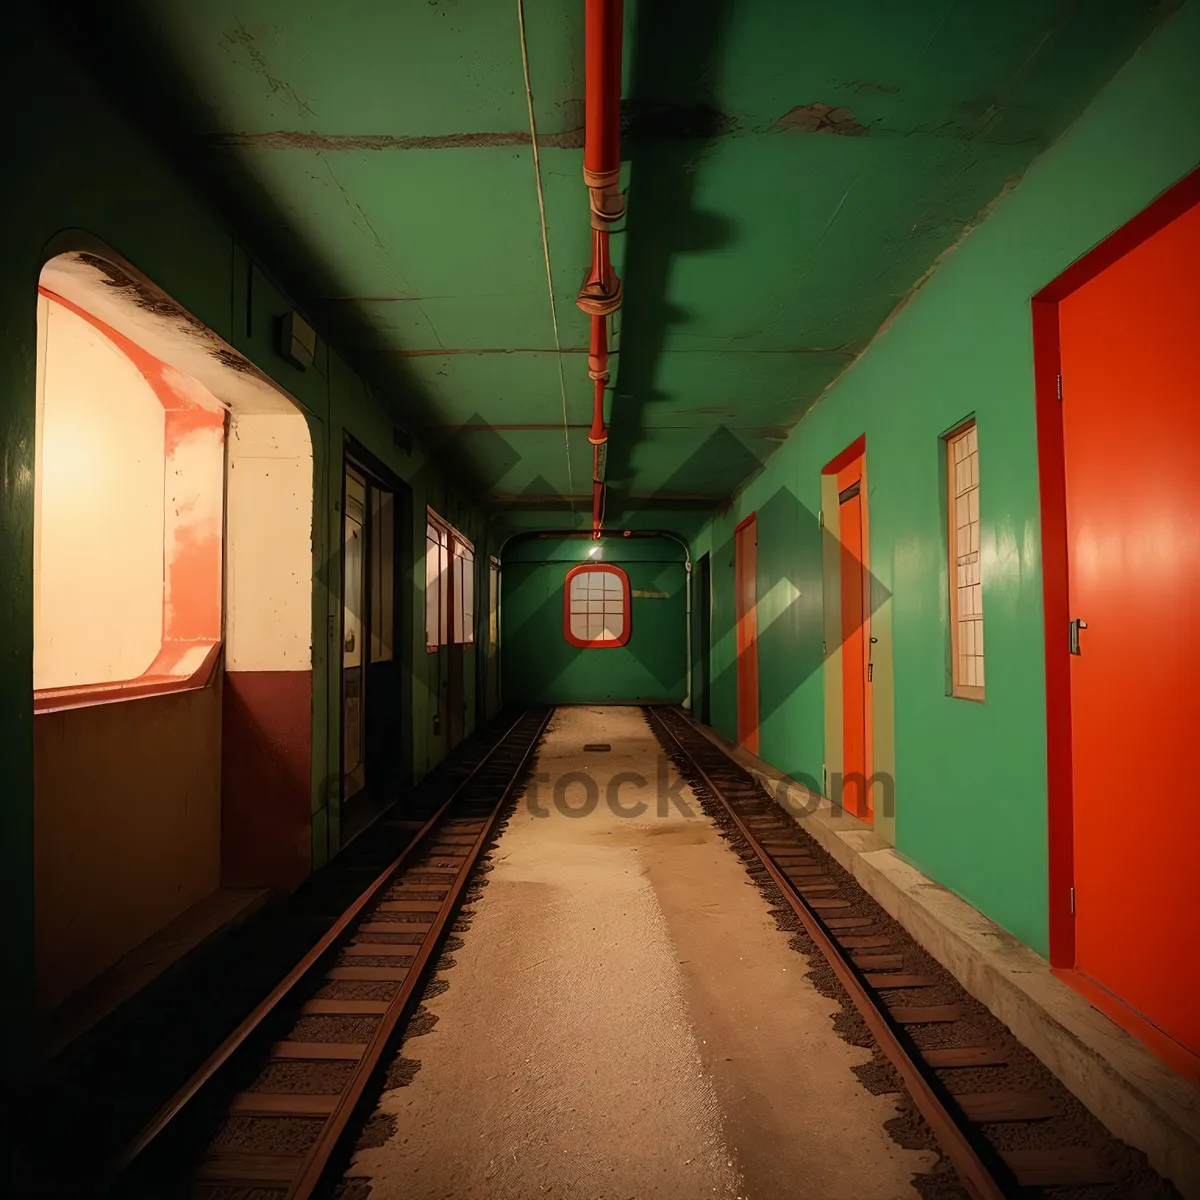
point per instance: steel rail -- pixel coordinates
(955, 1143)
(315, 1161)
(219, 1057)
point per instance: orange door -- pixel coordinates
(746, 585)
(1131, 430)
(856, 755)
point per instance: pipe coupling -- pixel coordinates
(598, 298)
(605, 197)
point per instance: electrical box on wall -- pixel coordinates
(297, 341)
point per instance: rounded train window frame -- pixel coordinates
(627, 608)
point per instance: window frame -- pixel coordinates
(462, 567)
(441, 530)
(449, 607)
(163, 675)
(627, 608)
(493, 602)
(959, 689)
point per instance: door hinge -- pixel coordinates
(821, 518)
(1058, 384)
(1072, 902)
(824, 780)
(870, 672)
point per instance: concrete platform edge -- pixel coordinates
(1137, 1097)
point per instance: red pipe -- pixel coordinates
(602, 107)
(598, 370)
(601, 291)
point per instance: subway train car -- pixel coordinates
(483, 483)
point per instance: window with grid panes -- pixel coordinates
(596, 608)
(966, 584)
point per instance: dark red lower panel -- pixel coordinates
(266, 778)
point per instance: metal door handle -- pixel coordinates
(1073, 635)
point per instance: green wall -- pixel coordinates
(82, 175)
(539, 666)
(970, 778)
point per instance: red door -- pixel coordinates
(856, 708)
(1131, 438)
(746, 600)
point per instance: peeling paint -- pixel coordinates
(234, 361)
(138, 292)
(822, 118)
(297, 139)
(242, 40)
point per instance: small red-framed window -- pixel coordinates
(596, 609)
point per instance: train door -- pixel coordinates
(746, 615)
(856, 639)
(370, 684)
(354, 598)
(461, 659)
(1128, 640)
(702, 639)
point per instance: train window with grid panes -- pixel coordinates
(966, 583)
(596, 606)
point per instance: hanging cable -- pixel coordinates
(537, 171)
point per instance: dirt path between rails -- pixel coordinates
(625, 1019)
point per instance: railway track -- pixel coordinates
(994, 1136)
(270, 1109)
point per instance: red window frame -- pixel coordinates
(626, 597)
(197, 624)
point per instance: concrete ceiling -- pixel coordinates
(793, 168)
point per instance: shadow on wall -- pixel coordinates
(668, 122)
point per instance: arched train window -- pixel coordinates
(596, 606)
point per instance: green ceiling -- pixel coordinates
(793, 169)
